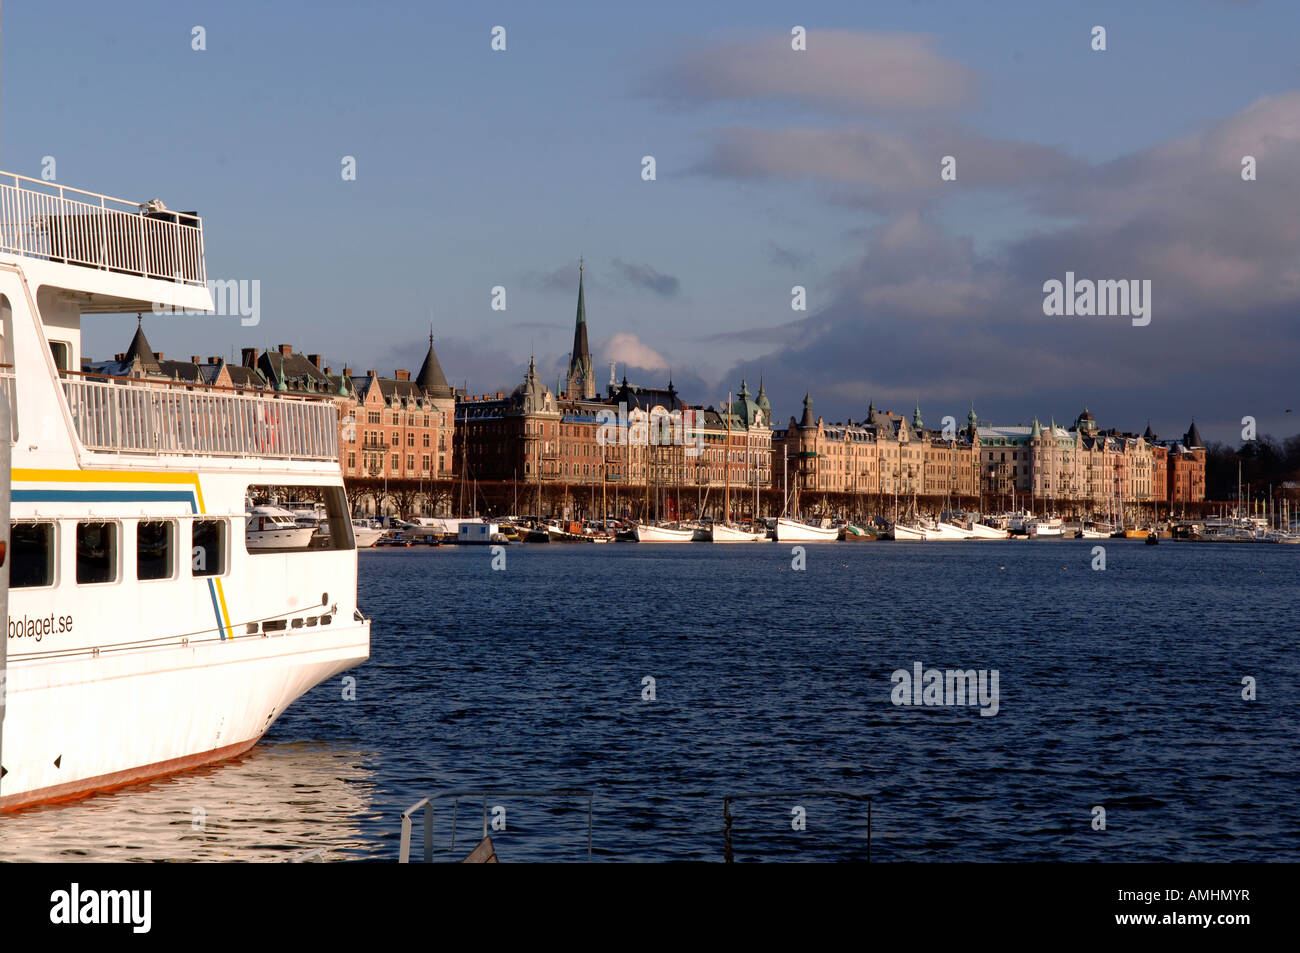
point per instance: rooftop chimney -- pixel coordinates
(347, 372)
(286, 350)
(315, 359)
(194, 359)
(159, 355)
(372, 373)
(500, 394)
(402, 375)
(248, 356)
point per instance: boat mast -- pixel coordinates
(726, 473)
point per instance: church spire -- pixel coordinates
(581, 383)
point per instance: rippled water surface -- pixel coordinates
(1119, 688)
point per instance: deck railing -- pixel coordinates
(44, 220)
(157, 418)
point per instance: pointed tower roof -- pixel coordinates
(140, 349)
(1149, 435)
(1193, 438)
(916, 417)
(806, 422)
(580, 359)
(1036, 431)
(764, 404)
(431, 379)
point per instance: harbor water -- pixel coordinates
(1118, 688)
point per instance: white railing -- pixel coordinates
(157, 418)
(43, 220)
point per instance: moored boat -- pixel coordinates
(725, 533)
(1044, 527)
(271, 527)
(649, 533)
(795, 531)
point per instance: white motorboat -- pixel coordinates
(903, 532)
(270, 527)
(648, 533)
(365, 534)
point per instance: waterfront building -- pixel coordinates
(401, 428)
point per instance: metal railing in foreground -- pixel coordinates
(128, 415)
(404, 854)
(41, 219)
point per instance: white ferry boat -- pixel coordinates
(145, 635)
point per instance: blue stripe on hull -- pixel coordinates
(123, 496)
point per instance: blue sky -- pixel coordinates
(477, 168)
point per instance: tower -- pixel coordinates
(580, 383)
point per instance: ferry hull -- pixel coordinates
(74, 727)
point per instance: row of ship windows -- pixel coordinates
(34, 547)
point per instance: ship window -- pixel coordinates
(96, 553)
(155, 549)
(31, 555)
(329, 527)
(208, 552)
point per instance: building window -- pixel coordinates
(352, 461)
(426, 441)
(373, 417)
(396, 463)
(31, 555)
(397, 440)
(410, 439)
(208, 547)
(155, 549)
(410, 462)
(424, 463)
(96, 553)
